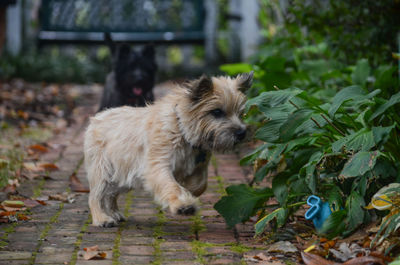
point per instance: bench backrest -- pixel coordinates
(68, 21)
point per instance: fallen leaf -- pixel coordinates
(38, 148)
(48, 166)
(7, 208)
(76, 185)
(14, 204)
(92, 248)
(261, 256)
(93, 252)
(7, 213)
(4, 220)
(312, 259)
(346, 251)
(23, 217)
(10, 189)
(282, 247)
(329, 244)
(30, 166)
(381, 256)
(366, 260)
(64, 197)
(31, 203)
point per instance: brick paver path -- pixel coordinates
(58, 231)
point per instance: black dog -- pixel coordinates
(132, 78)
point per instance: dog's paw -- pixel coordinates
(187, 210)
(108, 224)
(118, 216)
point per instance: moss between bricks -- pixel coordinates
(45, 231)
(7, 230)
(53, 219)
(158, 237)
(78, 241)
(117, 241)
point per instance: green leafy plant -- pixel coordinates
(325, 105)
(342, 148)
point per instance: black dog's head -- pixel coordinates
(135, 73)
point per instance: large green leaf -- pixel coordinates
(386, 77)
(361, 140)
(392, 101)
(381, 134)
(269, 132)
(355, 212)
(308, 170)
(297, 118)
(272, 98)
(240, 203)
(343, 95)
(277, 112)
(279, 214)
(359, 164)
(361, 72)
(249, 158)
(280, 189)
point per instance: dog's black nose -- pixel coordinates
(240, 134)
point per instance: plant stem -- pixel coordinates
(296, 204)
(333, 125)
(316, 123)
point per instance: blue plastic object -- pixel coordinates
(318, 212)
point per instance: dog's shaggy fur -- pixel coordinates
(132, 78)
(165, 147)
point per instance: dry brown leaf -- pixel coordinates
(76, 185)
(367, 260)
(23, 217)
(13, 203)
(31, 203)
(92, 248)
(30, 166)
(7, 208)
(39, 167)
(94, 253)
(10, 188)
(48, 166)
(329, 244)
(64, 197)
(38, 148)
(312, 259)
(4, 220)
(7, 213)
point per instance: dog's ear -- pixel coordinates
(201, 87)
(123, 51)
(148, 51)
(245, 81)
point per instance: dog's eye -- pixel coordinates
(217, 113)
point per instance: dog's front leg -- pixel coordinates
(168, 192)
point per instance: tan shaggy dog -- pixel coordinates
(164, 147)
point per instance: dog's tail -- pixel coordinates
(109, 42)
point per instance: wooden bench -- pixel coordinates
(132, 21)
